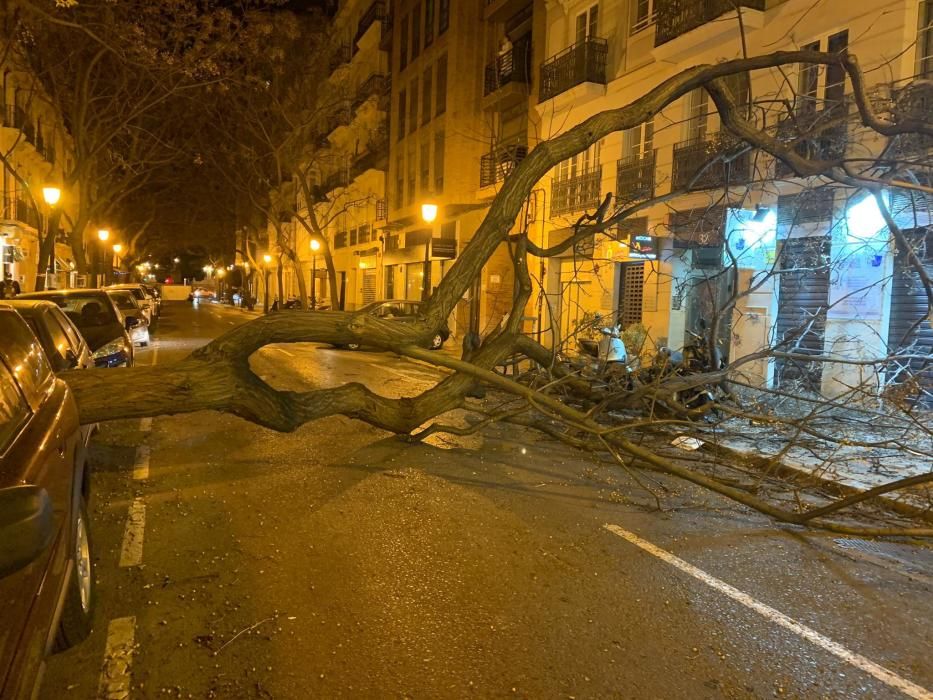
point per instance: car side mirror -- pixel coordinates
(131, 322)
(26, 526)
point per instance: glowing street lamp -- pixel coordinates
(117, 248)
(51, 195)
(267, 258)
(315, 247)
(176, 260)
(429, 212)
(103, 234)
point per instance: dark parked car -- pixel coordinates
(404, 312)
(95, 315)
(63, 343)
(46, 581)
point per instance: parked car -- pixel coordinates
(103, 327)
(404, 312)
(128, 306)
(146, 302)
(155, 294)
(46, 577)
(63, 343)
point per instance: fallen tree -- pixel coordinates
(218, 376)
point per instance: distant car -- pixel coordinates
(156, 295)
(201, 294)
(128, 306)
(404, 312)
(46, 563)
(103, 327)
(147, 304)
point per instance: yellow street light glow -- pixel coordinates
(208, 269)
(220, 273)
(51, 195)
(176, 260)
(117, 248)
(103, 234)
(429, 212)
(315, 244)
(362, 265)
(267, 258)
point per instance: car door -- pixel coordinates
(75, 340)
(40, 446)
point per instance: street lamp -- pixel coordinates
(266, 259)
(315, 247)
(428, 214)
(102, 236)
(51, 195)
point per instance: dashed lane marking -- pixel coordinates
(141, 466)
(860, 662)
(115, 676)
(131, 553)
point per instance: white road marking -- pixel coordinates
(131, 554)
(141, 467)
(284, 352)
(405, 375)
(860, 662)
(145, 424)
(115, 675)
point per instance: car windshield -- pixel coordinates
(123, 300)
(91, 310)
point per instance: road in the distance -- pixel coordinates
(339, 562)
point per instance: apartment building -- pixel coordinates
(666, 267)
(35, 148)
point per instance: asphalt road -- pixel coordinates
(338, 561)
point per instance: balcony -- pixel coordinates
(677, 17)
(341, 56)
(495, 166)
(584, 62)
(385, 34)
(342, 116)
(913, 103)
(695, 169)
(14, 117)
(507, 78)
(17, 209)
(818, 131)
(382, 210)
(376, 85)
(576, 193)
(375, 13)
(635, 177)
(375, 157)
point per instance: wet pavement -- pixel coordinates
(339, 561)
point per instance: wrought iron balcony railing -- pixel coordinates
(818, 130)
(382, 210)
(677, 17)
(584, 62)
(375, 13)
(576, 193)
(695, 167)
(513, 66)
(376, 85)
(342, 54)
(496, 166)
(18, 209)
(635, 177)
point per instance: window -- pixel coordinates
(363, 234)
(340, 240)
(697, 115)
(425, 161)
(401, 115)
(644, 15)
(835, 90)
(426, 96)
(413, 106)
(353, 238)
(925, 39)
(399, 181)
(411, 175)
(580, 164)
(390, 281)
(403, 44)
(415, 32)
(438, 162)
(639, 140)
(808, 80)
(586, 24)
(428, 22)
(441, 85)
(443, 16)
(13, 408)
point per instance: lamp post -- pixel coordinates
(51, 195)
(102, 236)
(315, 247)
(266, 260)
(428, 215)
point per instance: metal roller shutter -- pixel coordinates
(369, 286)
(802, 302)
(910, 327)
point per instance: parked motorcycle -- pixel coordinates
(693, 359)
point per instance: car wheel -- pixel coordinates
(78, 611)
(353, 346)
(437, 342)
